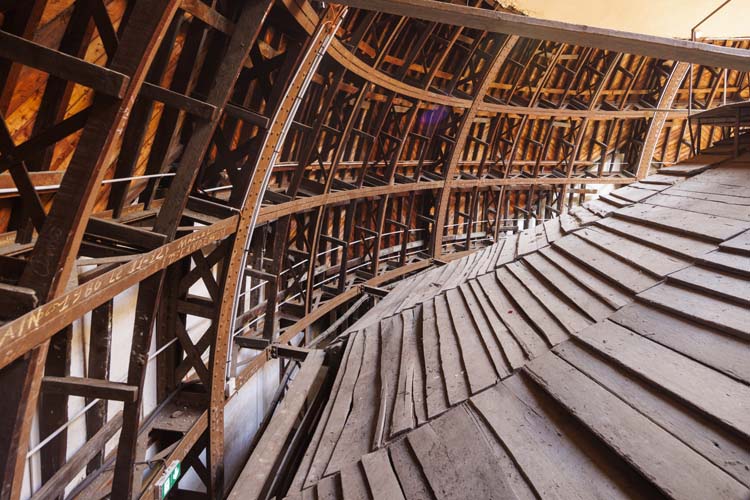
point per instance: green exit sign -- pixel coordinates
(168, 479)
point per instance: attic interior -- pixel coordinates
(382, 249)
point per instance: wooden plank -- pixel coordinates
(722, 182)
(618, 41)
(614, 201)
(726, 316)
(339, 412)
(359, 424)
(613, 295)
(672, 466)
(326, 489)
(584, 216)
(488, 260)
(727, 261)
(707, 390)
(259, 469)
(605, 265)
(413, 336)
(497, 248)
(391, 340)
(471, 266)
(89, 388)
(731, 199)
(479, 367)
(432, 454)
(483, 259)
(421, 289)
(568, 223)
(483, 328)
(479, 472)
(709, 227)
(567, 315)
(666, 240)
(654, 186)
(685, 170)
(407, 403)
(454, 372)
(545, 457)
(456, 272)
(513, 355)
(600, 207)
(552, 230)
(354, 483)
(532, 310)
(526, 242)
(722, 284)
(706, 207)
(583, 459)
(541, 236)
(660, 181)
(724, 353)
(413, 481)
(593, 306)
(633, 194)
(435, 391)
(312, 447)
(531, 343)
(508, 252)
(447, 474)
(738, 244)
(381, 477)
(722, 448)
(654, 261)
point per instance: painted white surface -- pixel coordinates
(672, 18)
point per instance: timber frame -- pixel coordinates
(256, 167)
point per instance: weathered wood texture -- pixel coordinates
(608, 363)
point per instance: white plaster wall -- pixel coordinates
(671, 18)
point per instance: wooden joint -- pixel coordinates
(375, 291)
(255, 343)
(289, 351)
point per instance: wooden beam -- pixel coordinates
(62, 65)
(33, 328)
(667, 97)
(289, 351)
(176, 100)
(576, 34)
(251, 342)
(255, 477)
(131, 235)
(89, 388)
(208, 15)
(93, 447)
